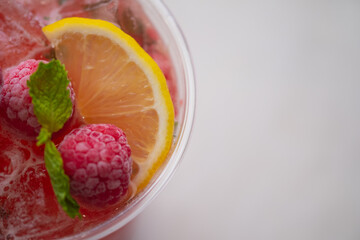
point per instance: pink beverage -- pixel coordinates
(28, 207)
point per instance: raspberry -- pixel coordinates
(97, 160)
(15, 100)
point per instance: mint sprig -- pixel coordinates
(53, 107)
(50, 96)
(59, 180)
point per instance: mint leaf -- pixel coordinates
(48, 88)
(50, 96)
(44, 136)
(59, 180)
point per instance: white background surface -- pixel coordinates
(275, 149)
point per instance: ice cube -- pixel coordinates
(21, 37)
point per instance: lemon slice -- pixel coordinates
(117, 82)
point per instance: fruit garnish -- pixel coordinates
(15, 100)
(48, 88)
(97, 160)
(117, 82)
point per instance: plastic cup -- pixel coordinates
(173, 39)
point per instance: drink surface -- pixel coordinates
(28, 207)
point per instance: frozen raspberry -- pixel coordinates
(15, 101)
(97, 160)
(15, 98)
